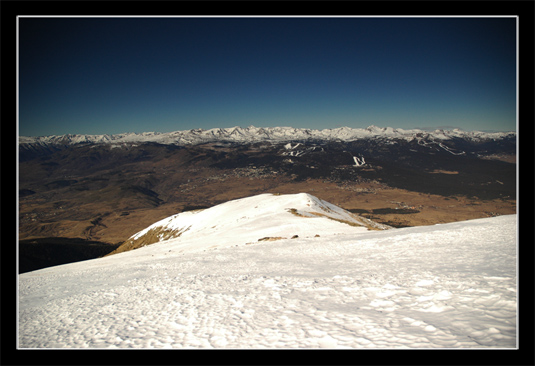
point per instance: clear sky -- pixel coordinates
(114, 75)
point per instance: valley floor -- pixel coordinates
(378, 202)
(441, 286)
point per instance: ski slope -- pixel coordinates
(442, 286)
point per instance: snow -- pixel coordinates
(442, 286)
(359, 161)
(258, 134)
(248, 219)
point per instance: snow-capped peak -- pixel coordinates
(249, 219)
(257, 134)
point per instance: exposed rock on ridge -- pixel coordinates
(252, 218)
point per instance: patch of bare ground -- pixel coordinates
(271, 238)
(508, 158)
(150, 237)
(439, 171)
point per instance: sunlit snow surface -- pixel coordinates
(442, 286)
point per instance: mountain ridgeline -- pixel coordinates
(251, 134)
(105, 188)
(398, 158)
(265, 217)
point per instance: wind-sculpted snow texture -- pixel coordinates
(442, 286)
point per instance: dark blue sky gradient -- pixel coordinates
(114, 75)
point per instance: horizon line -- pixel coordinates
(424, 128)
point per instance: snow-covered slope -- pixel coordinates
(442, 286)
(263, 217)
(259, 134)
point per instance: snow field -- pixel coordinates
(443, 286)
(266, 215)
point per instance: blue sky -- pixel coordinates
(114, 75)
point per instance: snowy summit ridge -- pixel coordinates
(252, 219)
(253, 134)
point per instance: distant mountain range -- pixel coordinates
(107, 187)
(253, 134)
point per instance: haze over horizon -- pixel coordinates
(116, 75)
